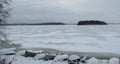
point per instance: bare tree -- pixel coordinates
(4, 14)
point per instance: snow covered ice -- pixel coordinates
(74, 57)
(61, 57)
(39, 56)
(99, 41)
(8, 51)
(68, 37)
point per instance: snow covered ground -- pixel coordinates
(41, 57)
(23, 60)
(95, 41)
(68, 37)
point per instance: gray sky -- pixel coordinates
(68, 11)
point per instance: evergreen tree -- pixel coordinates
(4, 14)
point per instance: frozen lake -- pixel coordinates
(68, 37)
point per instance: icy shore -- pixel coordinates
(14, 56)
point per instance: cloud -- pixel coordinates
(64, 10)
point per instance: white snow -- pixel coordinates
(68, 38)
(22, 52)
(96, 39)
(61, 57)
(35, 51)
(23, 60)
(7, 51)
(39, 56)
(74, 57)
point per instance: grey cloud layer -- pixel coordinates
(65, 10)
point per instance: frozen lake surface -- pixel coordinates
(68, 37)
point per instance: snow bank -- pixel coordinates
(8, 51)
(40, 58)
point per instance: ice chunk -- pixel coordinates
(35, 51)
(74, 57)
(8, 51)
(61, 57)
(30, 53)
(21, 52)
(39, 56)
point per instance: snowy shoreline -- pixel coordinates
(71, 38)
(100, 55)
(50, 56)
(96, 42)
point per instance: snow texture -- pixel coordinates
(74, 57)
(39, 56)
(94, 41)
(68, 38)
(61, 57)
(8, 51)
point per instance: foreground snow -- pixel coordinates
(70, 38)
(20, 58)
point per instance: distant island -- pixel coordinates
(46, 23)
(92, 22)
(52, 23)
(84, 22)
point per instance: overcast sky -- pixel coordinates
(68, 11)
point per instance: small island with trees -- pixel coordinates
(45, 23)
(92, 22)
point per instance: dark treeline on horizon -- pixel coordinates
(92, 22)
(47, 23)
(83, 22)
